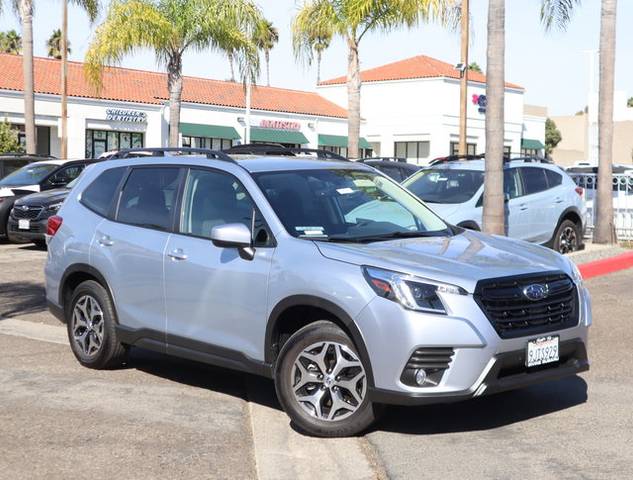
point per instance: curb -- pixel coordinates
(606, 265)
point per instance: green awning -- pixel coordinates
(532, 144)
(273, 135)
(208, 131)
(340, 141)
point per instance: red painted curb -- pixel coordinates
(606, 265)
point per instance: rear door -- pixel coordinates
(516, 208)
(129, 248)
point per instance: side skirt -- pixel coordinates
(193, 350)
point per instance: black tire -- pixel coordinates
(567, 238)
(109, 353)
(285, 378)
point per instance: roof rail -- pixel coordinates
(456, 158)
(278, 149)
(165, 151)
(527, 158)
(383, 159)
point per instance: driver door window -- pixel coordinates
(64, 176)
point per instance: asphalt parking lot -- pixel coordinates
(167, 418)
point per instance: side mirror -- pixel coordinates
(234, 235)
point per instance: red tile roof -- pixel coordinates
(414, 67)
(128, 85)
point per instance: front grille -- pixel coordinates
(30, 213)
(434, 360)
(512, 314)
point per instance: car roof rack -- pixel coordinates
(456, 158)
(166, 151)
(384, 159)
(527, 158)
(271, 149)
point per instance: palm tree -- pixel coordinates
(494, 204)
(54, 45)
(320, 43)
(352, 20)
(170, 28)
(11, 42)
(25, 11)
(266, 36)
(559, 12)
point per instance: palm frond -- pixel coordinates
(557, 12)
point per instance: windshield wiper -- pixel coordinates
(382, 237)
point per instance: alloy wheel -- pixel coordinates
(88, 325)
(328, 381)
(568, 240)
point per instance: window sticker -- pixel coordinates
(345, 191)
(311, 231)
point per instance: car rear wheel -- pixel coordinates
(322, 383)
(567, 237)
(91, 327)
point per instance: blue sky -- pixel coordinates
(551, 66)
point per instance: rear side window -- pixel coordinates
(99, 195)
(149, 196)
(553, 179)
(534, 179)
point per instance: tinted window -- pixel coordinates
(553, 179)
(65, 175)
(29, 174)
(100, 193)
(512, 187)
(534, 179)
(148, 197)
(214, 198)
(389, 170)
(445, 186)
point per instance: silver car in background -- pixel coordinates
(324, 275)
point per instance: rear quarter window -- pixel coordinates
(99, 195)
(553, 179)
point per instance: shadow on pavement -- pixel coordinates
(487, 412)
(221, 380)
(21, 298)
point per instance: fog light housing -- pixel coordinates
(420, 376)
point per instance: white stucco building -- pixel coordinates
(410, 109)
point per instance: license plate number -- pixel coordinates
(541, 351)
(24, 224)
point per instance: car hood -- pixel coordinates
(12, 190)
(48, 197)
(461, 260)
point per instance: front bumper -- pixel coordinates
(482, 363)
(36, 231)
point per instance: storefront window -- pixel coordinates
(101, 141)
(42, 138)
(471, 148)
(412, 150)
(206, 142)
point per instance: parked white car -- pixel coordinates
(543, 204)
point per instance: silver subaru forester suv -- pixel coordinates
(324, 275)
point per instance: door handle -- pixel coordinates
(558, 200)
(105, 241)
(177, 254)
(523, 207)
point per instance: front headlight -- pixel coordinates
(411, 292)
(54, 207)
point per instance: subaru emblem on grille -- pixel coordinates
(536, 291)
(25, 207)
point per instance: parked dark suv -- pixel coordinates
(35, 177)
(394, 167)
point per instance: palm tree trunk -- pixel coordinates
(604, 231)
(463, 87)
(64, 76)
(230, 55)
(26, 15)
(318, 66)
(353, 98)
(174, 82)
(494, 205)
(267, 57)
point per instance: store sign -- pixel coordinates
(280, 124)
(481, 101)
(131, 116)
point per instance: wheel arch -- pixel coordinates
(282, 321)
(76, 274)
(570, 213)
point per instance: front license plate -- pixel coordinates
(24, 224)
(541, 351)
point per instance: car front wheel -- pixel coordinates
(322, 383)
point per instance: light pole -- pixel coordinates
(64, 80)
(463, 87)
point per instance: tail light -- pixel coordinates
(580, 191)
(53, 224)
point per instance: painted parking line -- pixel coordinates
(606, 265)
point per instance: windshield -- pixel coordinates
(346, 205)
(28, 175)
(445, 186)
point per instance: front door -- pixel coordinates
(216, 301)
(516, 207)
